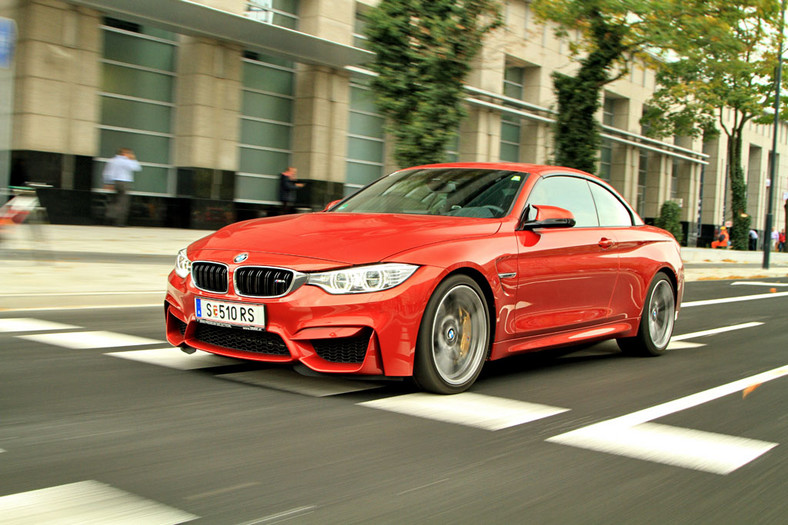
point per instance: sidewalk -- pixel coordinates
(71, 266)
(68, 266)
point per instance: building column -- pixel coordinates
(624, 172)
(657, 187)
(757, 191)
(480, 136)
(56, 105)
(320, 133)
(207, 118)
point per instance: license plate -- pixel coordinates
(239, 314)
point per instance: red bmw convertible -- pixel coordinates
(428, 273)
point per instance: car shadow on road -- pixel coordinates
(564, 357)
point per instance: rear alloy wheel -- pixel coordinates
(656, 323)
(454, 337)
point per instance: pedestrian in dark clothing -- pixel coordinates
(753, 240)
(288, 185)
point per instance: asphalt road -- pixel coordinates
(100, 421)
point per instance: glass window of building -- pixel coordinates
(137, 101)
(674, 180)
(511, 124)
(642, 178)
(366, 139)
(283, 13)
(606, 159)
(606, 146)
(266, 127)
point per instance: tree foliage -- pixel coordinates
(611, 31)
(716, 77)
(670, 219)
(423, 52)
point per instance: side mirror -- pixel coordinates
(543, 216)
(332, 204)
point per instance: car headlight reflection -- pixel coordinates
(183, 266)
(363, 279)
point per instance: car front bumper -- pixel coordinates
(370, 333)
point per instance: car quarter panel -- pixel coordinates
(644, 251)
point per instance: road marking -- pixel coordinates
(79, 307)
(634, 436)
(734, 299)
(85, 340)
(715, 331)
(27, 324)
(285, 515)
(681, 345)
(758, 283)
(69, 294)
(288, 380)
(87, 502)
(220, 492)
(642, 416)
(474, 410)
(173, 358)
(680, 447)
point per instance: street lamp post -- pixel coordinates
(767, 234)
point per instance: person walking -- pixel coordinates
(288, 184)
(119, 175)
(753, 240)
(781, 241)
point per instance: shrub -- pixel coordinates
(670, 219)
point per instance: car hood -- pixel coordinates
(335, 239)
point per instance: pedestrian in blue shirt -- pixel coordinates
(119, 175)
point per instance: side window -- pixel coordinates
(570, 193)
(610, 209)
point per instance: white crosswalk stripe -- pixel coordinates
(87, 502)
(85, 340)
(173, 358)
(634, 435)
(469, 409)
(31, 325)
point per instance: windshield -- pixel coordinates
(458, 192)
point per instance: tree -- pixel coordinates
(716, 77)
(611, 31)
(423, 52)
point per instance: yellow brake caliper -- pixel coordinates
(465, 342)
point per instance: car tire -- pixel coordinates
(656, 320)
(454, 337)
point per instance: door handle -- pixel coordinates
(606, 243)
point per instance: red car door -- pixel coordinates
(566, 277)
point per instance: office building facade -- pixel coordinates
(217, 97)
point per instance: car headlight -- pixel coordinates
(183, 266)
(362, 279)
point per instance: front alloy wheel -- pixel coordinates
(454, 337)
